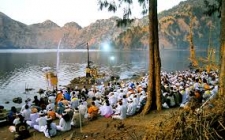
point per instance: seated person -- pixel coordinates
(51, 114)
(19, 119)
(121, 112)
(106, 110)
(64, 122)
(92, 111)
(77, 118)
(33, 117)
(42, 121)
(12, 114)
(50, 128)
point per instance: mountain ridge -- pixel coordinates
(173, 31)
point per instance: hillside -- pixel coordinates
(173, 31)
(174, 26)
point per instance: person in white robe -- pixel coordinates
(33, 117)
(121, 114)
(106, 110)
(26, 113)
(42, 121)
(64, 122)
(131, 108)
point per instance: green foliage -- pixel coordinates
(112, 6)
(213, 7)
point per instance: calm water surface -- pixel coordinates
(20, 68)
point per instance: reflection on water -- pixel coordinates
(20, 68)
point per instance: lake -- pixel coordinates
(23, 68)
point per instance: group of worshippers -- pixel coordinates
(181, 88)
(117, 100)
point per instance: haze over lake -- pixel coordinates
(20, 68)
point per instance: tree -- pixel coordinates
(219, 7)
(154, 79)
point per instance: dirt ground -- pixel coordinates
(132, 128)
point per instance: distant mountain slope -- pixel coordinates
(174, 28)
(12, 32)
(173, 31)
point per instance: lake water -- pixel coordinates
(20, 68)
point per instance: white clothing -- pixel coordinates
(26, 114)
(82, 109)
(51, 99)
(91, 94)
(98, 95)
(122, 113)
(63, 125)
(42, 121)
(112, 100)
(106, 110)
(50, 106)
(131, 108)
(33, 118)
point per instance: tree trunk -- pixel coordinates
(222, 53)
(157, 60)
(153, 92)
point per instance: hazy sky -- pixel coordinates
(83, 12)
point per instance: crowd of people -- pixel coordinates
(116, 100)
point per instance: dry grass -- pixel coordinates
(206, 124)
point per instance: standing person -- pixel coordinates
(12, 114)
(64, 122)
(50, 129)
(88, 72)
